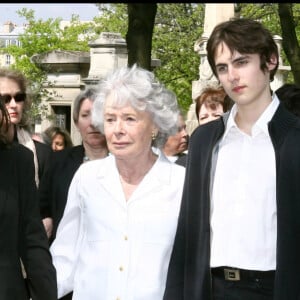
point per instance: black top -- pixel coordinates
(54, 186)
(43, 153)
(21, 230)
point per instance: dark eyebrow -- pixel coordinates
(241, 58)
(221, 65)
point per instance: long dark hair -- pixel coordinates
(4, 124)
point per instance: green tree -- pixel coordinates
(113, 18)
(281, 19)
(176, 28)
(141, 18)
(289, 26)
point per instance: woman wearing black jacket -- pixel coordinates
(15, 95)
(23, 237)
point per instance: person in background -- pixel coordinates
(211, 104)
(176, 145)
(54, 187)
(289, 95)
(13, 90)
(14, 93)
(57, 137)
(23, 243)
(116, 235)
(238, 230)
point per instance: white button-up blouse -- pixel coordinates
(108, 248)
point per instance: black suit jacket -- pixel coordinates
(54, 186)
(21, 231)
(43, 153)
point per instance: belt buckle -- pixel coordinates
(232, 274)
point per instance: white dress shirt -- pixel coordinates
(108, 248)
(243, 208)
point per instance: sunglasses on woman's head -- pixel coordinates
(6, 98)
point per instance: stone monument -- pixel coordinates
(107, 53)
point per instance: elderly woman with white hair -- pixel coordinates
(116, 236)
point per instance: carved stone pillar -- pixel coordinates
(214, 14)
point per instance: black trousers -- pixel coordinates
(250, 289)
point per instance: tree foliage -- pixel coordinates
(281, 19)
(289, 35)
(177, 28)
(114, 18)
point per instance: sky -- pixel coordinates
(86, 11)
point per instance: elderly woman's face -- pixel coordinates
(128, 131)
(15, 108)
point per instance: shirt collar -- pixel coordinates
(230, 122)
(261, 123)
(264, 119)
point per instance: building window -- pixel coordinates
(7, 59)
(7, 43)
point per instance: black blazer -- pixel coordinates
(43, 153)
(54, 186)
(22, 233)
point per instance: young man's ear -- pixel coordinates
(273, 62)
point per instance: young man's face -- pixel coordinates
(241, 76)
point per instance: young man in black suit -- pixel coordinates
(238, 231)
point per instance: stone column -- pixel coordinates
(282, 71)
(215, 13)
(107, 53)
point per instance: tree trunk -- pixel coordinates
(141, 17)
(290, 43)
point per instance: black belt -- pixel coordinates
(235, 274)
